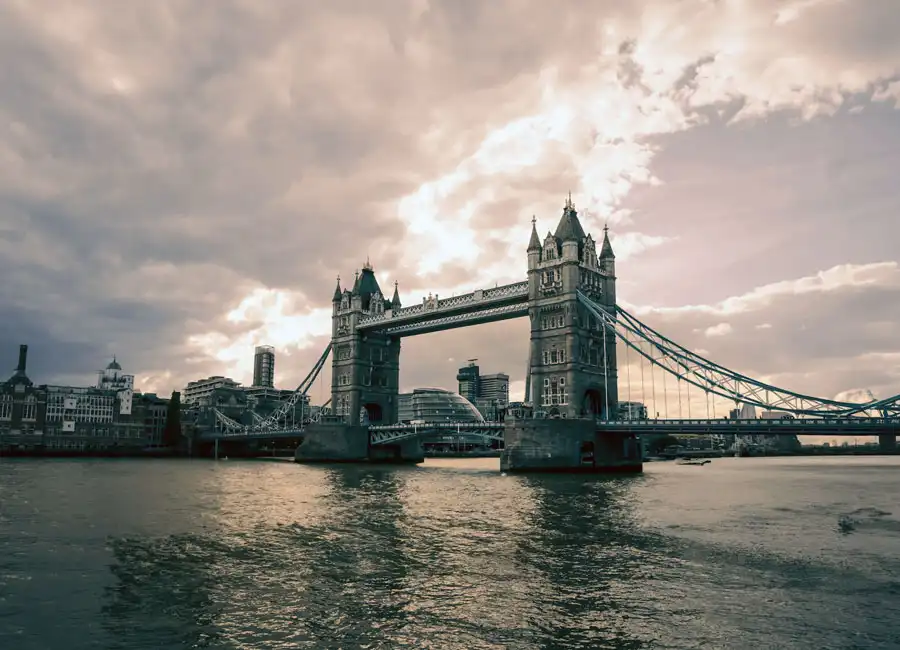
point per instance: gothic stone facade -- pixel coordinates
(365, 378)
(573, 363)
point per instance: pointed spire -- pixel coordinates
(606, 252)
(356, 284)
(368, 265)
(337, 291)
(569, 228)
(534, 243)
(395, 301)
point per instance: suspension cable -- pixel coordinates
(680, 413)
(628, 377)
(665, 396)
(690, 417)
(643, 390)
(605, 373)
(653, 385)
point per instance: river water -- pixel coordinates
(741, 553)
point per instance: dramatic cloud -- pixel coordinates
(183, 181)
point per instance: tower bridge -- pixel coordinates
(577, 335)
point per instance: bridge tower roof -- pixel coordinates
(606, 251)
(569, 227)
(535, 243)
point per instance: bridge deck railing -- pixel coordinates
(445, 305)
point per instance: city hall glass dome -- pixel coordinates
(436, 405)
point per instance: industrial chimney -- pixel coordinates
(19, 377)
(23, 359)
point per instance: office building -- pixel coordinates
(467, 378)
(489, 393)
(196, 392)
(494, 388)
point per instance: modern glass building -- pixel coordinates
(436, 405)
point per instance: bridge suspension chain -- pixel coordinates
(284, 415)
(716, 380)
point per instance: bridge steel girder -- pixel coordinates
(856, 426)
(379, 435)
(442, 323)
(482, 300)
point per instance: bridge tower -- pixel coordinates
(573, 371)
(365, 376)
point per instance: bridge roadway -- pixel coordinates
(381, 434)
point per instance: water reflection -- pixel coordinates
(357, 597)
(585, 558)
(164, 590)
(334, 580)
(456, 558)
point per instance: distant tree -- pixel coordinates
(172, 431)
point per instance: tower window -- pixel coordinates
(555, 392)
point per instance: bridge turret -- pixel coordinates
(534, 246)
(395, 301)
(607, 262)
(607, 257)
(336, 299)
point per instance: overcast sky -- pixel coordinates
(184, 180)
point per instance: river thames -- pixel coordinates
(741, 553)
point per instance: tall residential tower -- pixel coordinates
(264, 366)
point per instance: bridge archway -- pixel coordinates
(374, 412)
(593, 403)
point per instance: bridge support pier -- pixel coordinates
(336, 442)
(563, 446)
(887, 443)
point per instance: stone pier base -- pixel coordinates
(887, 443)
(335, 442)
(539, 445)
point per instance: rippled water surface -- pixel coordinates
(742, 553)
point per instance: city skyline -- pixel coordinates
(743, 162)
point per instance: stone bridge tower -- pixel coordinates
(573, 366)
(365, 375)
